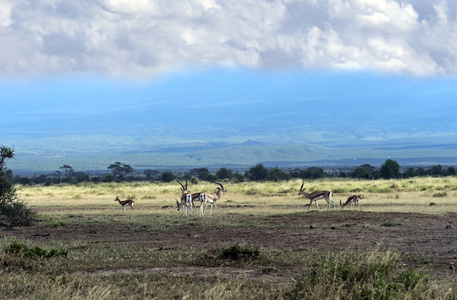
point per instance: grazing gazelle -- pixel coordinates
(351, 200)
(314, 196)
(206, 198)
(186, 203)
(124, 203)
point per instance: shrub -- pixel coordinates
(23, 249)
(237, 252)
(235, 255)
(13, 212)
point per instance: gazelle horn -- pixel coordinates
(183, 188)
(218, 184)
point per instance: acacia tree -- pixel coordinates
(224, 173)
(258, 172)
(390, 169)
(167, 176)
(150, 174)
(360, 172)
(120, 169)
(13, 212)
(68, 171)
(276, 174)
(313, 173)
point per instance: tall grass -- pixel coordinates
(412, 195)
(371, 275)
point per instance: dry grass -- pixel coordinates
(420, 195)
(68, 278)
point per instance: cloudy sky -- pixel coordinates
(145, 38)
(250, 69)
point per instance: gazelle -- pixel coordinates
(124, 203)
(206, 198)
(351, 200)
(314, 196)
(186, 200)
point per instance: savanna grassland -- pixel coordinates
(260, 242)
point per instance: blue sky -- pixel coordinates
(152, 73)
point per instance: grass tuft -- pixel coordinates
(390, 224)
(349, 275)
(440, 195)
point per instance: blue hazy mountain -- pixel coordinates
(238, 118)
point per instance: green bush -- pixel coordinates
(13, 212)
(23, 249)
(235, 255)
(237, 252)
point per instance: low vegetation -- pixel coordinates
(372, 275)
(23, 250)
(41, 268)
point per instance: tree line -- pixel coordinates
(14, 212)
(125, 172)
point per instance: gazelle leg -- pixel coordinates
(331, 201)
(211, 208)
(206, 204)
(193, 205)
(188, 204)
(202, 204)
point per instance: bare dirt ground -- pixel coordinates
(430, 237)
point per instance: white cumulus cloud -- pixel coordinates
(147, 37)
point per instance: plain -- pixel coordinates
(260, 242)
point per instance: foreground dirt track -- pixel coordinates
(431, 237)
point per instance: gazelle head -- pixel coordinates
(220, 188)
(341, 204)
(178, 204)
(117, 198)
(302, 190)
(183, 188)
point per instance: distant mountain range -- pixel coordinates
(357, 126)
(214, 155)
